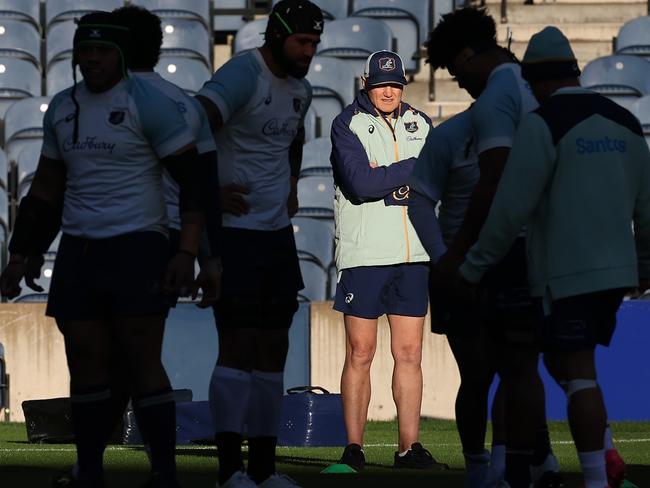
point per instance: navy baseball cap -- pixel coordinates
(383, 68)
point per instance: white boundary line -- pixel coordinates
(181, 448)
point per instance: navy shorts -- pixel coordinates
(260, 279)
(505, 306)
(581, 322)
(118, 276)
(372, 291)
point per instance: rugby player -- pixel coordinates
(146, 36)
(99, 180)
(583, 253)
(256, 105)
(447, 171)
(464, 42)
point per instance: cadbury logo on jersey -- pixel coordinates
(88, 144)
(116, 117)
(411, 126)
(273, 127)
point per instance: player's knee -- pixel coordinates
(361, 355)
(408, 354)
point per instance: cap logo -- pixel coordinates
(387, 64)
(318, 25)
(95, 33)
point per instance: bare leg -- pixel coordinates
(361, 343)
(406, 347)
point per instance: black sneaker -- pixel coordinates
(550, 479)
(156, 480)
(417, 457)
(353, 456)
(67, 480)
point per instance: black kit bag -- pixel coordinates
(49, 422)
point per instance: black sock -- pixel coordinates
(229, 454)
(156, 417)
(518, 468)
(542, 446)
(261, 458)
(90, 408)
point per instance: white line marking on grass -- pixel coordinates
(192, 448)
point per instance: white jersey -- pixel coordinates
(500, 108)
(114, 176)
(447, 171)
(262, 115)
(199, 126)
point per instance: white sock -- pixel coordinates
(593, 468)
(265, 405)
(609, 440)
(230, 390)
(497, 469)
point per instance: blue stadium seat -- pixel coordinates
(250, 36)
(354, 39)
(641, 108)
(4, 213)
(334, 87)
(61, 10)
(19, 78)
(182, 37)
(23, 10)
(312, 129)
(197, 10)
(314, 240)
(634, 37)
(316, 196)
(4, 382)
(231, 22)
(58, 42)
(332, 280)
(332, 9)
(190, 74)
(409, 22)
(621, 78)
(316, 157)
(24, 123)
(27, 162)
(315, 280)
(4, 170)
(20, 40)
(59, 76)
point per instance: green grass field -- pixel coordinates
(24, 465)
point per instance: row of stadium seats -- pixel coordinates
(43, 14)
(355, 37)
(29, 54)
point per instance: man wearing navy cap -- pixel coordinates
(382, 266)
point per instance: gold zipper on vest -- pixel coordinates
(396, 148)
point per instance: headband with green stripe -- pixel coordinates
(102, 28)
